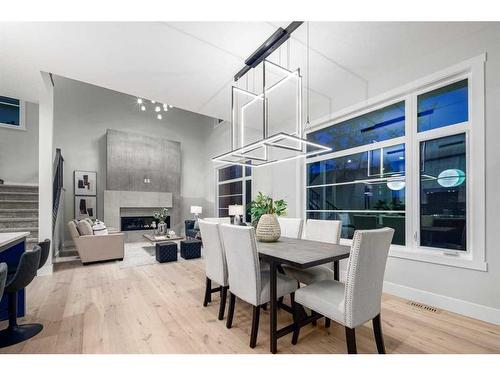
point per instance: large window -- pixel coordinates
(406, 164)
(365, 190)
(234, 187)
(11, 113)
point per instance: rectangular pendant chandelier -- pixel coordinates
(266, 128)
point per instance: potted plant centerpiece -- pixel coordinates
(264, 212)
(161, 215)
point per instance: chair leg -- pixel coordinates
(264, 307)
(255, 326)
(350, 336)
(208, 292)
(296, 319)
(313, 322)
(223, 298)
(327, 322)
(230, 311)
(377, 331)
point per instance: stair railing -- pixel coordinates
(57, 186)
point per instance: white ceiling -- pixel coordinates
(191, 64)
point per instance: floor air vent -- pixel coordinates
(423, 307)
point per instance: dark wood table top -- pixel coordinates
(302, 253)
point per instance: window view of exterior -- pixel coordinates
(234, 188)
(444, 106)
(380, 125)
(443, 193)
(367, 190)
(10, 111)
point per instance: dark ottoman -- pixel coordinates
(166, 252)
(190, 249)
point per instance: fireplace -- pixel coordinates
(131, 223)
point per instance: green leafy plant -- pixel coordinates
(264, 204)
(161, 215)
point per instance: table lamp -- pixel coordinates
(236, 211)
(196, 210)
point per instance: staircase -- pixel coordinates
(19, 211)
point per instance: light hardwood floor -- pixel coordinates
(158, 308)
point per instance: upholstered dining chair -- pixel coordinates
(3, 277)
(291, 227)
(215, 264)
(247, 280)
(321, 231)
(359, 299)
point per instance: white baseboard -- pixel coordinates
(470, 309)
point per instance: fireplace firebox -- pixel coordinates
(130, 223)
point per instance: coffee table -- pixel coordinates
(154, 239)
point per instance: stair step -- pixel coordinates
(19, 188)
(18, 204)
(27, 229)
(19, 196)
(13, 222)
(19, 213)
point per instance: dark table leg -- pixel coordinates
(336, 270)
(273, 307)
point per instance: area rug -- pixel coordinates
(138, 254)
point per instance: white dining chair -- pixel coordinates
(215, 264)
(359, 299)
(219, 220)
(247, 280)
(321, 231)
(291, 227)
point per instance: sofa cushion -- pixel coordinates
(84, 228)
(73, 231)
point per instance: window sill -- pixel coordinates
(433, 256)
(13, 127)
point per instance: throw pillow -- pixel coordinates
(84, 228)
(100, 229)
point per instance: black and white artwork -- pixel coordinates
(85, 183)
(85, 207)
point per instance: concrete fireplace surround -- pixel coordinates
(115, 201)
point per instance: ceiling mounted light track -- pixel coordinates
(258, 119)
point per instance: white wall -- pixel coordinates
(84, 112)
(462, 284)
(19, 150)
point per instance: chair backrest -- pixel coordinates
(45, 250)
(322, 230)
(291, 227)
(219, 220)
(26, 270)
(213, 252)
(242, 262)
(365, 275)
(3, 277)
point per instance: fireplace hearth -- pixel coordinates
(131, 223)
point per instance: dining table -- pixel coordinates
(301, 254)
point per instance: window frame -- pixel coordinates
(473, 69)
(243, 179)
(22, 117)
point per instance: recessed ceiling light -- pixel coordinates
(139, 101)
(158, 116)
(143, 108)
